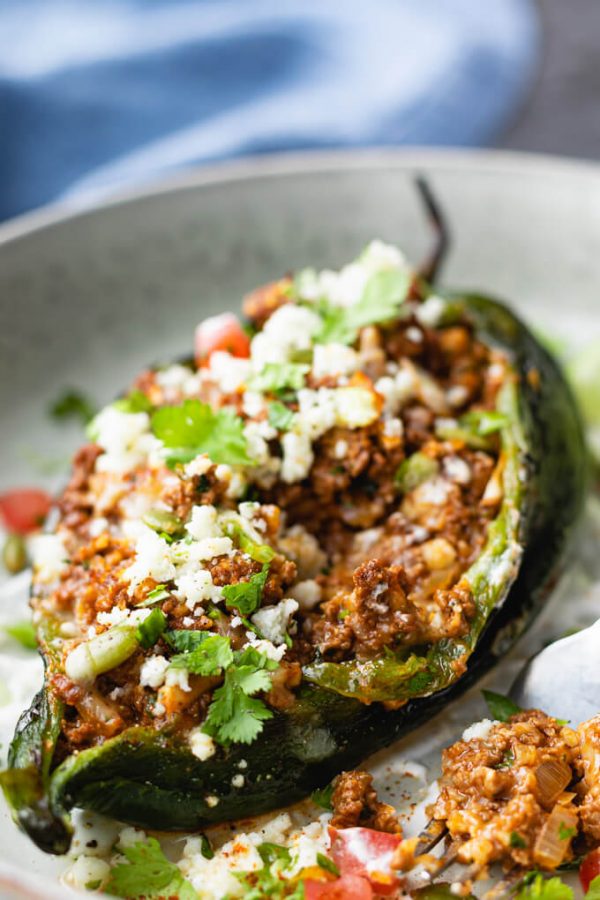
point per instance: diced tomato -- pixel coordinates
(24, 509)
(348, 887)
(366, 853)
(589, 869)
(222, 332)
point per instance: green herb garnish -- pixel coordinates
(565, 833)
(277, 377)
(149, 631)
(322, 796)
(72, 405)
(157, 594)
(235, 715)
(517, 841)
(246, 596)
(148, 874)
(200, 652)
(135, 402)
(328, 864)
(194, 428)
(500, 707)
(415, 470)
(280, 416)
(381, 300)
(536, 887)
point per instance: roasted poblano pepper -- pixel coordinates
(149, 777)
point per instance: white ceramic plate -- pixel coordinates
(90, 297)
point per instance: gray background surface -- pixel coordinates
(562, 114)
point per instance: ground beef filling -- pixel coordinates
(354, 803)
(523, 794)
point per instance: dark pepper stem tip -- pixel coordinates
(429, 269)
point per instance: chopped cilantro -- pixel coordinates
(246, 596)
(194, 428)
(201, 652)
(148, 874)
(270, 853)
(157, 594)
(536, 887)
(134, 402)
(500, 707)
(517, 841)
(381, 300)
(277, 377)
(72, 405)
(280, 416)
(565, 833)
(322, 796)
(328, 864)
(205, 848)
(149, 631)
(234, 715)
(24, 633)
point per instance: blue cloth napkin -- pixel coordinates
(99, 94)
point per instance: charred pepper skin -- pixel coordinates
(151, 779)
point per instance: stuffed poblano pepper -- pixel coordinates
(277, 559)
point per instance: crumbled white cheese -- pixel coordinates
(478, 730)
(414, 334)
(124, 437)
(229, 372)
(129, 836)
(298, 456)
(430, 312)
(177, 678)
(209, 548)
(457, 469)
(97, 526)
(266, 647)
(113, 617)
(211, 800)
(198, 466)
(253, 404)
(273, 621)
(334, 359)
(177, 379)
(201, 744)
(307, 593)
(397, 389)
(355, 407)
(87, 870)
(305, 550)
(288, 329)
(203, 523)
(237, 781)
(48, 555)
(153, 672)
(340, 449)
(457, 395)
(152, 559)
(195, 587)
(393, 427)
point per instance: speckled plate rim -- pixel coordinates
(280, 165)
(13, 879)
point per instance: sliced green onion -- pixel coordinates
(102, 653)
(415, 470)
(163, 521)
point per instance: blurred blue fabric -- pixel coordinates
(98, 94)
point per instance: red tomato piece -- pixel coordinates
(348, 887)
(222, 332)
(23, 510)
(366, 853)
(589, 869)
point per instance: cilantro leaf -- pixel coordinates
(73, 405)
(194, 428)
(247, 595)
(500, 707)
(24, 633)
(233, 715)
(538, 888)
(149, 631)
(280, 416)
(202, 653)
(268, 882)
(517, 841)
(277, 377)
(322, 796)
(134, 402)
(149, 874)
(381, 300)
